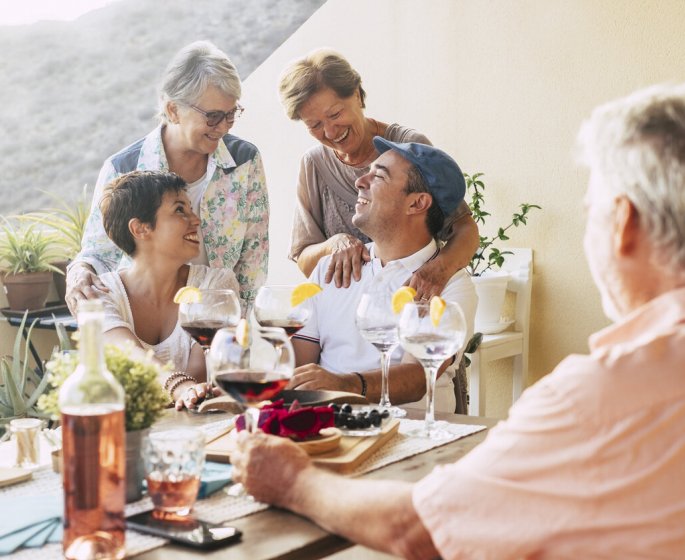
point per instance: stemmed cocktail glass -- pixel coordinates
(432, 336)
(213, 310)
(273, 308)
(251, 367)
(377, 323)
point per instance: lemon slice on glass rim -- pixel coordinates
(402, 297)
(437, 308)
(188, 294)
(242, 333)
(302, 292)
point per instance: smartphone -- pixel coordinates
(186, 531)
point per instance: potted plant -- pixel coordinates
(26, 256)
(145, 400)
(490, 282)
(21, 386)
(65, 223)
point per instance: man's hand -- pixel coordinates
(192, 396)
(429, 280)
(268, 466)
(82, 283)
(313, 377)
(348, 254)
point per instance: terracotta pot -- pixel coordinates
(28, 290)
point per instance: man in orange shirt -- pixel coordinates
(591, 461)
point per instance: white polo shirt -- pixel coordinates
(332, 324)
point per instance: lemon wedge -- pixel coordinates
(242, 333)
(402, 297)
(302, 292)
(437, 308)
(188, 294)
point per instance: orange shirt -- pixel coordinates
(590, 462)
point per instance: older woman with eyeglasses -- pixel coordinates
(198, 105)
(325, 92)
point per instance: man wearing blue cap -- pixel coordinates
(401, 206)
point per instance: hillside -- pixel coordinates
(75, 92)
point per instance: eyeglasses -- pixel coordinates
(214, 118)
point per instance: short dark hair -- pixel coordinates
(135, 195)
(435, 217)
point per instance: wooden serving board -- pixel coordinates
(346, 457)
(353, 451)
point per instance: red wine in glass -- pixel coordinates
(203, 331)
(288, 325)
(249, 386)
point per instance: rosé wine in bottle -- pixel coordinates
(91, 403)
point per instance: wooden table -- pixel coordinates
(279, 534)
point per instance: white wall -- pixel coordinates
(502, 86)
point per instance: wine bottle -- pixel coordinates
(91, 404)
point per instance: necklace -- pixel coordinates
(367, 155)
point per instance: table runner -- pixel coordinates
(220, 506)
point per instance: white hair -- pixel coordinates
(637, 146)
(192, 70)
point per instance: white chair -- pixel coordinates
(509, 343)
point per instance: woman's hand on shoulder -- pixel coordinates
(348, 254)
(430, 280)
(82, 283)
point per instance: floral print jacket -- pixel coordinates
(234, 210)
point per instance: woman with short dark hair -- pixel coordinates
(148, 215)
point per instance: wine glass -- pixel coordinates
(251, 371)
(377, 323)
(432, 338)
(273, 308)
(216, 309)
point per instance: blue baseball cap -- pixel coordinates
(441, 173)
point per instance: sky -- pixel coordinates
(23, 12)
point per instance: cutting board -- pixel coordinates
(345, 458)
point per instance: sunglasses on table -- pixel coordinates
(215, 117)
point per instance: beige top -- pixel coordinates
(326, 194)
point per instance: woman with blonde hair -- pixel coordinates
(326, 94)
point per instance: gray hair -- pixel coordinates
(322, 68)
(192, 70)
(637, 145)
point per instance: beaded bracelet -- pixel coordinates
(361, 378)
(175, 375)
(179, 380)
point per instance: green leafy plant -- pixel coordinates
(145, 397)
(24, 249)
(66, 221)
(21, 386)
(488, 255)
